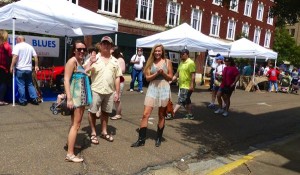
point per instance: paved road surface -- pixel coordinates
(32, 139)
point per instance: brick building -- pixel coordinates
(138, 18)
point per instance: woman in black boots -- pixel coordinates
(158, 71)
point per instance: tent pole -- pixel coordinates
(66, 39)
(13, 78)
(206, 60)
(116, 39)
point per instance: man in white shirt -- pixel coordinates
(22, 59)
(138, 61)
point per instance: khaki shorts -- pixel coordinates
(121, 91)
(102, 102)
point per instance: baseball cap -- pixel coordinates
(220, 57)
(184, 51)
(107, 38)
(228, 59)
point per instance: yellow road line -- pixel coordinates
(231, 166)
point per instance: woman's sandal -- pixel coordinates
(107, 137)
(116, 117)
(73, 158)
(94, 140)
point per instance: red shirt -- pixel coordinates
(229, 75)
(5, 56)
(273, 74)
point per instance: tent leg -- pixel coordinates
(66, 40)
(13, 78)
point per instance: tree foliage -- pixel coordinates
(286, 11)
(286, 47)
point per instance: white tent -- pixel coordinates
(53, 17)
(244, 48)
(183, 36)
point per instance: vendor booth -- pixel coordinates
(244, 48)
(53, 17)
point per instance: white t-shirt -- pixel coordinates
(219, 70)
(25, 52)
(138, 66)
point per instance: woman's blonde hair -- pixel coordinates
(3, 35)
(151, 56)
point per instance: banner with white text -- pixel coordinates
(44, 46)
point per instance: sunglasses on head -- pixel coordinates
(81, 49)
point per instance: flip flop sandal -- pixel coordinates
(107, 137)
(94, 140)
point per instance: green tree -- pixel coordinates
(286, 11)
(286, 47)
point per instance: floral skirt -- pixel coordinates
(158, 93)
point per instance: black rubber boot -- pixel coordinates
(159, 135)
(141, 139)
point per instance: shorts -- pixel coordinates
(215, 88)
(102, 102)
(184, 97)
(226, 90)
(121, 90)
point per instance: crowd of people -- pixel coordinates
(93, 77)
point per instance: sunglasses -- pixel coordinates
(81, 49)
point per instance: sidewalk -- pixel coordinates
(281, 157)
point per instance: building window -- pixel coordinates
(215, 25)
(256, 37)
(260, 12)
(111, 7)
(248, 8)
(231, 30)
(245, 30)
(196, 19)
(292, 32)
(217, 2)
(144, 10)
(234, 4)
(267, 39)
(270, 19)
(173, 13)
(74, 1)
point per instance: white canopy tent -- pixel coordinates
(53, 17)
(244, 48)
(183, 36)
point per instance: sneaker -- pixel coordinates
(131, 90)
(141, 91)
(225, 114)
(35, 102)
(189, 116)
(169, 117)
(211, 106)
(22, 103)
(219, 111)
(73, 158)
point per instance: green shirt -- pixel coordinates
(185, 70)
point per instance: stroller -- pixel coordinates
(285, 84)
(295, 86)
(60, 106)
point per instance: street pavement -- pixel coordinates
(260, 135)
